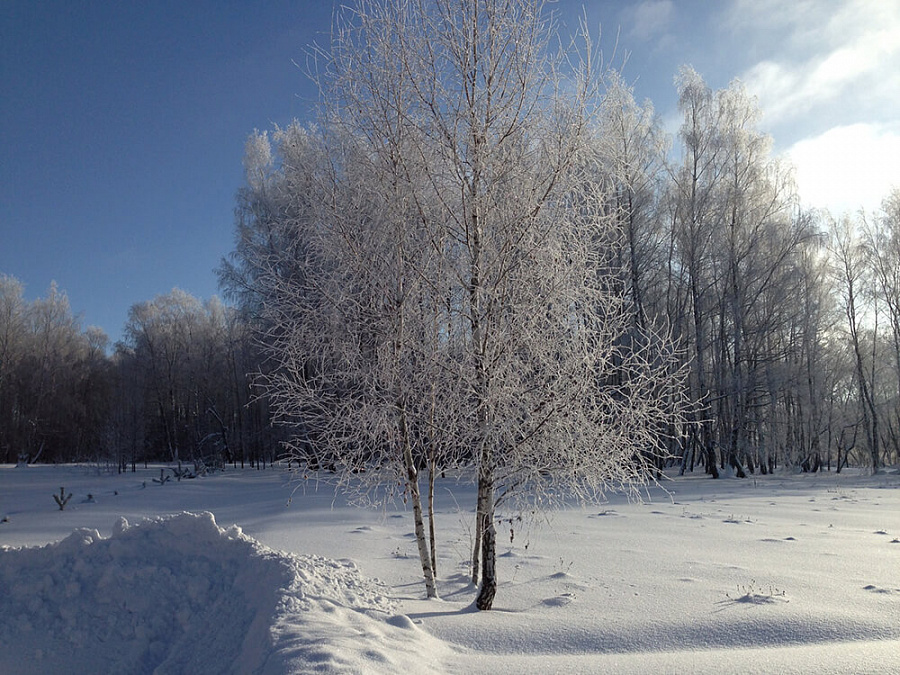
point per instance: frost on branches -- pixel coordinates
(432, 263)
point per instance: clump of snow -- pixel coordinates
(180, 594)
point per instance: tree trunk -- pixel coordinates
(431, 534)
(424, 555)
(485, 599)
(412, 475)
(476, 548)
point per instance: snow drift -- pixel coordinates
(180, 594)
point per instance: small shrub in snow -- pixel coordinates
(757, 595)
(183, 472)
(62, 498)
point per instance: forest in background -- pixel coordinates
(788, 320)
(177, 387)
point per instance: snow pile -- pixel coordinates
(180, 594)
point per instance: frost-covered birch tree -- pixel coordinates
(849, 267)
(451, 300)
(882, 242)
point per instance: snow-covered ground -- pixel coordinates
(770, 574)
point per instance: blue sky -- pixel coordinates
(122, 123)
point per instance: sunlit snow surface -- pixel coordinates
(240, 572)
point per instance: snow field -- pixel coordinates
(779, 573)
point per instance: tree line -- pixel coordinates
(177, 387)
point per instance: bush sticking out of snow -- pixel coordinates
(180, 594)
(61, 499)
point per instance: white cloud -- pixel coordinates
(827, 54)
(848, 167)
(828, 84)
(651, 19)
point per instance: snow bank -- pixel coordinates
(180, 594)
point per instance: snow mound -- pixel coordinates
(179, 594)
